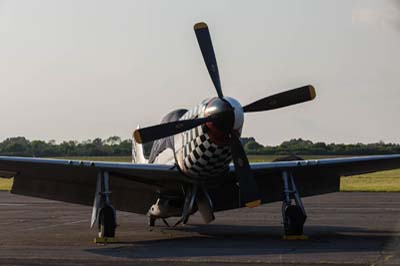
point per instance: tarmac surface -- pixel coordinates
(344, 228)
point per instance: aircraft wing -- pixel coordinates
(312, 177)
(346, 166)
(135, 186)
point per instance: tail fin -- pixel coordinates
(137, 152)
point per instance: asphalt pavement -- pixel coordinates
(343, 228)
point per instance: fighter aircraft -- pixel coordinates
(189, 168)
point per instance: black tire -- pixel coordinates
(107, 222)
(295, 220)
(151, 221)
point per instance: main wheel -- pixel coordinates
(107, 222)
(151, 221)
(295, 220)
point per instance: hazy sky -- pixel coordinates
(85, 69)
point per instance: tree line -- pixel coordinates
(115, 146)
(307, 147)
(20, 146)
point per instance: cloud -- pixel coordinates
(379, 14)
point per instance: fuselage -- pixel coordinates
(204, 151)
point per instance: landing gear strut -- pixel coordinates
(294, 216)
(197, 194)
(190, 198)
(151, 221)
(103, 212)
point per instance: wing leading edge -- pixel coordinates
(135, 186)
(346, 166)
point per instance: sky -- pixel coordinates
(77, 70)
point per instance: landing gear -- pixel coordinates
(151, 220)
(294, 220)
(165, 206)
(187, 210)
(196, 198)
(103, 212)
(107, 222)
(294, 216)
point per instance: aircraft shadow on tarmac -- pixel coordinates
(228, 240)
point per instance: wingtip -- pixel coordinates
(200, 25)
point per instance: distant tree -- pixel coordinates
(68, 148)
(125, 147)
(244, 140)
(253, 146)
(16, 146)
(114, 140)
(39, 148)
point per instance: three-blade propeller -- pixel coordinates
(249, 193)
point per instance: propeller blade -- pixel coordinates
(283, 99)
(249, 194)
(146, 134)
(207, 50)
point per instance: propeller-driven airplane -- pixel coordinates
(189, 168)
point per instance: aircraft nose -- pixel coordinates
(238, 111)
(224, 115)
(228, 118)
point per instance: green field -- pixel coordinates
(379, 181)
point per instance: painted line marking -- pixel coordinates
(352, 208)
(13, 204)
(54, 225)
